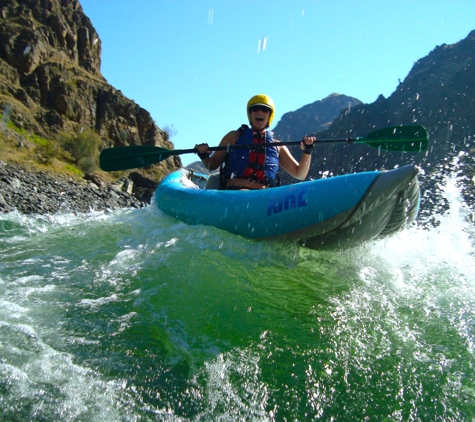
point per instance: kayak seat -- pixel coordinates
(213, 182)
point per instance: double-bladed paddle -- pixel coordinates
(408, 138)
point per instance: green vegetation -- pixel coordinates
(70, 155)
(83, 149)
(73, 169)
(74, 155)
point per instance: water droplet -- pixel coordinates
(210, 16)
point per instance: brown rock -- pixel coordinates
(50, 58)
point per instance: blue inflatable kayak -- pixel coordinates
(336, 212)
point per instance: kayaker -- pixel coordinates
(247, 168)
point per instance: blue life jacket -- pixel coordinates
(239, 164)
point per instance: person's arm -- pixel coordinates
(213, 161)
(299, 170)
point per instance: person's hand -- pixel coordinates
(307, 144)
(202, 150)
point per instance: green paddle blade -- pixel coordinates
(410, 138)
(134, 156)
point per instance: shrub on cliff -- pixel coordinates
(83, 149)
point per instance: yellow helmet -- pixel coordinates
(263, 100)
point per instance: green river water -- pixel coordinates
(133, 316)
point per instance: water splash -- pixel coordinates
(261, 44)
(210, 16)
(160, 320)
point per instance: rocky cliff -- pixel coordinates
(438, 93)
(50, 78)
(315, 117)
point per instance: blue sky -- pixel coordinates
(194, 64)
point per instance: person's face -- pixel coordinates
(259, 116)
